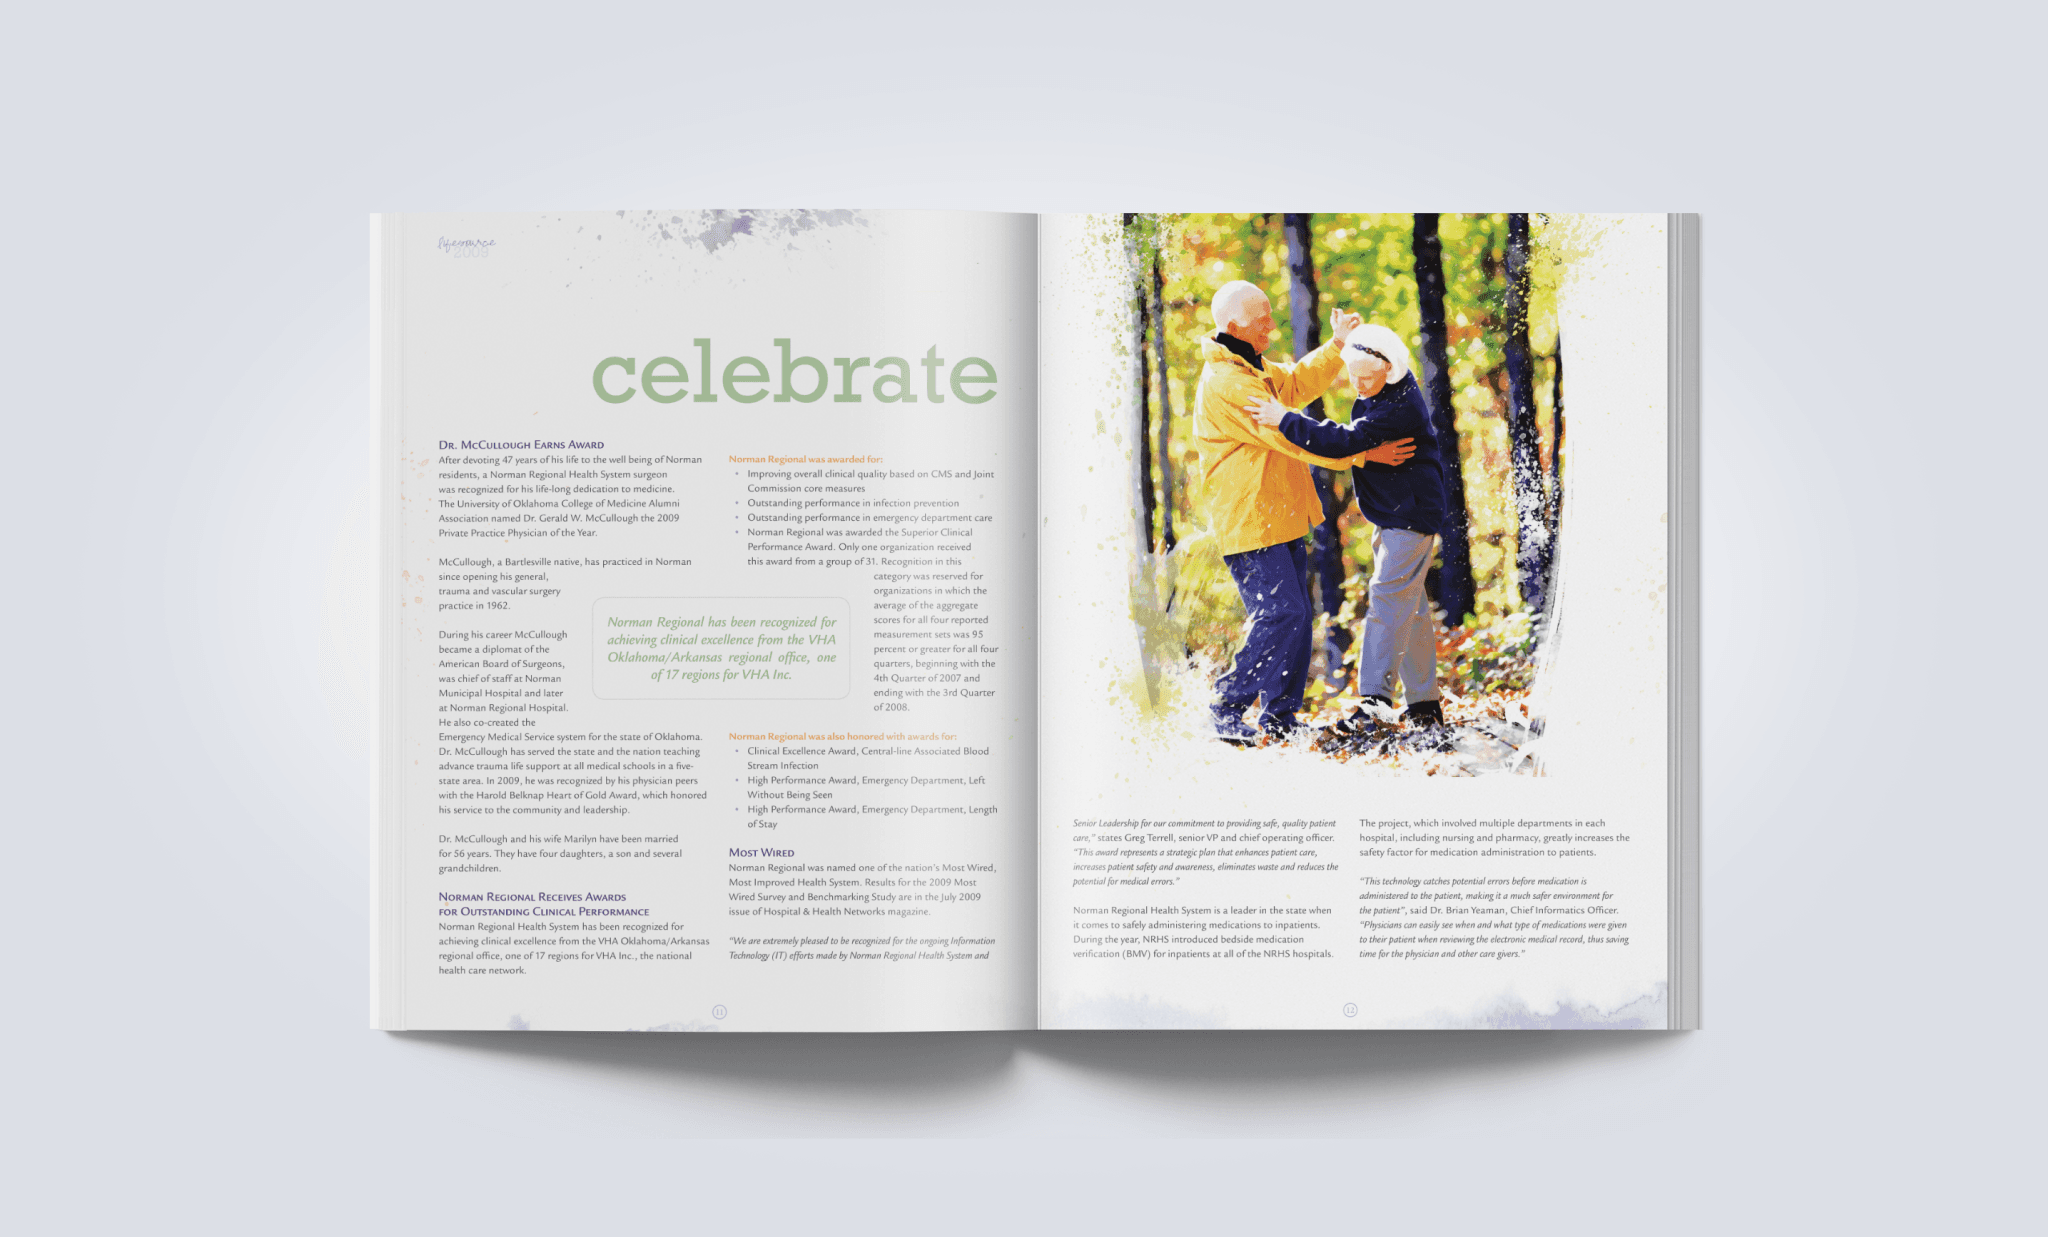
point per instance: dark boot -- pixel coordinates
(1362, 719)
(1232, 729)
(1423, 713)
(1280, 729)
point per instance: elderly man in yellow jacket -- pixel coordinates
(1260, 501)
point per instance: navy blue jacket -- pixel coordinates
(1410, 495)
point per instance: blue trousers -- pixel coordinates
(1273, 663)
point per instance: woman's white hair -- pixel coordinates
(1230, 304)
(1372, 337)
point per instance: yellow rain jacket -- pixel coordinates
(1255, 488)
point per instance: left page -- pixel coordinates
(708, 620)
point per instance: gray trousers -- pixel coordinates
(1398, 637)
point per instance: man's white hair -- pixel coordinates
(1372, 337)
(1232, 303)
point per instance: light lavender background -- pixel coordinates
(190, 519)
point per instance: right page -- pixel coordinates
(1356, 639)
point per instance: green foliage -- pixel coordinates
(1488, 661)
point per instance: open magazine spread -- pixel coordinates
(903, 621)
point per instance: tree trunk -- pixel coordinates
(1556, 442)
(1525, 453)
(1456, 592)
(1302, 298)
(1326, 561)
(1166, 535)
(1141, 481)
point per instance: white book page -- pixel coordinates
(1189, 883)
(710, 577)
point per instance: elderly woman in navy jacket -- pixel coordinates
(1405, 503)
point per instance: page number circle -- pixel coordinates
(1350, 1010)
(718, 1011)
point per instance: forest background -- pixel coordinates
(1474, 296)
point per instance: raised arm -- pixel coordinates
(1299, 384)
